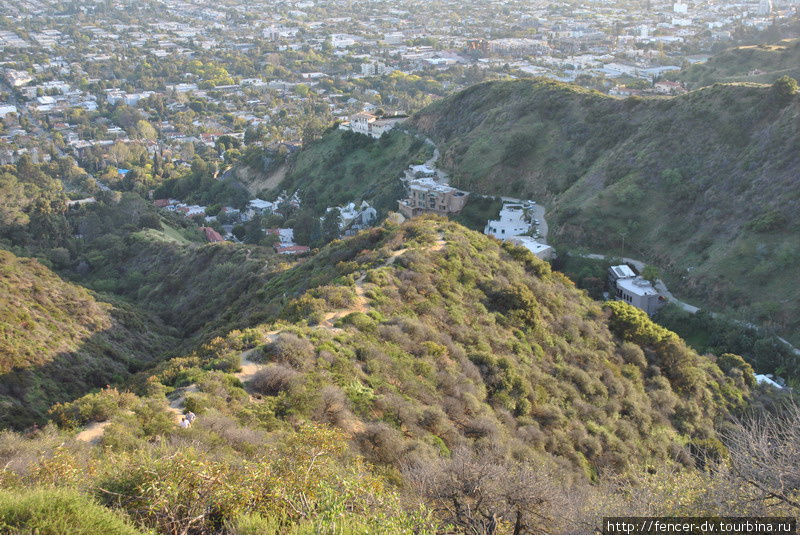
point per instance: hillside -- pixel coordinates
(755, 63)
(58, 340)
(342, 167)
(433, 337)
(198, 289)
(429, 348)
(703, 185)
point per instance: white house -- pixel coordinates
(512, 222)
(370, 125)
(260, 206)
(541, 250)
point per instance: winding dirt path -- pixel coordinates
(93, 432)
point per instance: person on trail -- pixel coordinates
(190, 416)
(184, 423)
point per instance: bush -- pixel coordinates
(274, 379)
(97, 407)
(290, 349)
(380, 443)
(58, 512)
(784, 88)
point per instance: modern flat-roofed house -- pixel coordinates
(540, 250)
(425, 195)
(634, 290)
(512, 222)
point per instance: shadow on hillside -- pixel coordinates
(107, 357)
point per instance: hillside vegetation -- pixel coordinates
(411, 358)
(342, 167)
(755, 63)
(434, 337)
(705, 185)
(58, 340)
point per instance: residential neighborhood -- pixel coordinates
(189, 75)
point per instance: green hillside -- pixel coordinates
(342, 167)
(704, 185)
(755, 63)
(417, 357)
(433, 337)
(58, 340)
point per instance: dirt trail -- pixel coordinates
(94, 431)
(250, 368)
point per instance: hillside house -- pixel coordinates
(540, 250)
(353, 217)
(428, 196)
(370, 125)
(512, 222)
(668, 88)
(634, 290)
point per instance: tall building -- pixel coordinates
(428, 196)
(765, 8)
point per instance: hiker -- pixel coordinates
(184, 423)
(190, 416)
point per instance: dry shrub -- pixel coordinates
(547, 415)
(291, 349)
(633, 354)
(334, 407)
(274, 379)
(481, 427)
(231, 433)
(475, 492)
(380, 443)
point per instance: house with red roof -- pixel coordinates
(212, 235)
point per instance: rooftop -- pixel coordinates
(637, 286)
(623, 272)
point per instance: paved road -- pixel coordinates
(660, 286)
(441, 176)
(662, 289)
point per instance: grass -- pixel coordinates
(60, 340)
(176, 234)
(755, 63)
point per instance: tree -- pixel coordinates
(651, 273)
(239, 231)
(483, 494)
(144, 130)
(765, 454)
(306, 228)
(330, 225)
(784, 88)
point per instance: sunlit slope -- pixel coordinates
(434, 337)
